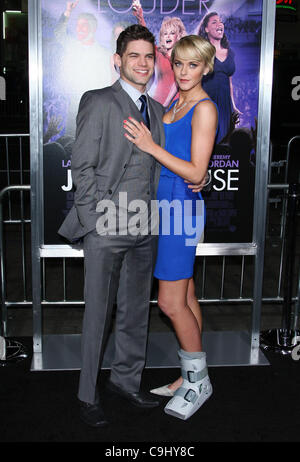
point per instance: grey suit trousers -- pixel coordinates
(121, 265)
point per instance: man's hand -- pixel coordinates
(70, 7)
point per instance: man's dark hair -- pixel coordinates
(131, 33)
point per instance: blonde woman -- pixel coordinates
(172, 29)
(190, 127)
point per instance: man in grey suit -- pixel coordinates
(119, 262)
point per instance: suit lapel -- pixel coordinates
(158, 134)
(156, 123)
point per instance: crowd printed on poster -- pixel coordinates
(79, 40)
(75, 67)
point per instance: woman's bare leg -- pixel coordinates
(178, 301)
(194, 306)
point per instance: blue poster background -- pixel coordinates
(70, 69)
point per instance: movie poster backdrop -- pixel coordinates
(78, 45)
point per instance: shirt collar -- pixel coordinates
(131, 91)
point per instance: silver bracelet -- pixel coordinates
(209, 180)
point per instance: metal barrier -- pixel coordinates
(22, 221)
(11, 351)
(284, 339)
(14, 168)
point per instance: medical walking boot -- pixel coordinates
(195, 389)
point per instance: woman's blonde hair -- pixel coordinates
(195, 48)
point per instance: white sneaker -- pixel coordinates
(163, 391)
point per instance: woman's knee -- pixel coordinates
(164, 304)
(172, 297)
(169, 306)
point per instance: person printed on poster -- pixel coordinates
(219, 84)
(164, 88)
(116, 31)
(85, 64)
(232, 174)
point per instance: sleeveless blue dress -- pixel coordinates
(181, 212)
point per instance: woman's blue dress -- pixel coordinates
(181, 226)
(217, 86)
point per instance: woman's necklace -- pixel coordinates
(177, 110)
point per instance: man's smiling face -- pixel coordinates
(136, 64)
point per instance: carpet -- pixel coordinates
(249, 404)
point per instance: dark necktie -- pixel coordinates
(144, 110)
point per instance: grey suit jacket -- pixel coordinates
(101, 152)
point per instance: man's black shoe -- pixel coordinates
(139, 399)
(92, 414)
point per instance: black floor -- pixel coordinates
(249, 404)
